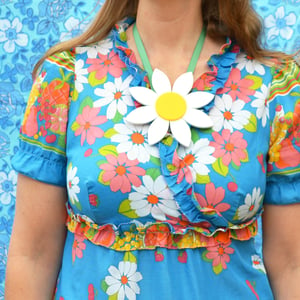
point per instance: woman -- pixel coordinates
(163, 193)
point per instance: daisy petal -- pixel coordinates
(199, 99)
(181, 132)
(143, 95)
(198, 118)
(160, 82)
(157, 131)
(142, 115)
(183, 84)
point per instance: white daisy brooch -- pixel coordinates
(170, 109)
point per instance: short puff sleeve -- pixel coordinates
(42, 141)
(283, 178)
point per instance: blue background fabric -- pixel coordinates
(29, 27)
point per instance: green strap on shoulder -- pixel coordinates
(145, 60)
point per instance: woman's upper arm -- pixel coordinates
(281, 228)
(40, 215)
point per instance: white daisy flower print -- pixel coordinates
(72, 184)
(133, 140)
(257, 263)
(198, 156)
(81, 77)
(251, 65)
(123, 281)
(229, 114)
(155, 198)
(116, 95)
(261, 104)
(251, 206)
(173, 108)
(103, 47)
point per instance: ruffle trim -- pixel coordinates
(220, 64)
(159, 234)
(40, 164)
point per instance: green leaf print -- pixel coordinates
(126, 210)
(153, 173)
(155, 160)
(118, 118)
(75, 126)
(104, 286)
(78, 205)
(218, 269)
(204, 256)
(93, 81)
(195, 136)
(88, 101)
(100, 179)
(202, 179)
(128, 256)
(75, 95)
(61, 141)
(252, 125)
(236, 167)
(171, 167)
(246, 159)
(114, 297)
(220, 168)
(108, 150)
(257, 82)
(110, 133)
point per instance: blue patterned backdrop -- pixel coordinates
(29, 27)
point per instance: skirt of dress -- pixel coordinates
(227, 271)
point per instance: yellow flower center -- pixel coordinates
(171, 106)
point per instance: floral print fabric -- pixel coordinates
(193, 208)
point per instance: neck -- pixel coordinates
(169, 23)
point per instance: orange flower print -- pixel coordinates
(106, 237)
(55, 93)
(78, 247)
(158, 236)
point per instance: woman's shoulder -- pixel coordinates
(60, 60)
(285, 78)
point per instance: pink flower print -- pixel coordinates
(87, 122)
(230, 147)
(30, 125)
(59, 120)
(78, 246)
(110, 63)
(220, 254)
(182, 167)
(204, 81)
(212, 202)
(237, 87)
(181, 223)
(122, 172)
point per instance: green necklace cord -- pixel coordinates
(145, 60)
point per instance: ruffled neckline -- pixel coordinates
(220, 64)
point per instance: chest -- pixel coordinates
(115, 176)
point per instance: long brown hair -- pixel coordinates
(235, 19)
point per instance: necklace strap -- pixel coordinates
(145, 60)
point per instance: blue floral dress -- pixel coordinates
(162, 221)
